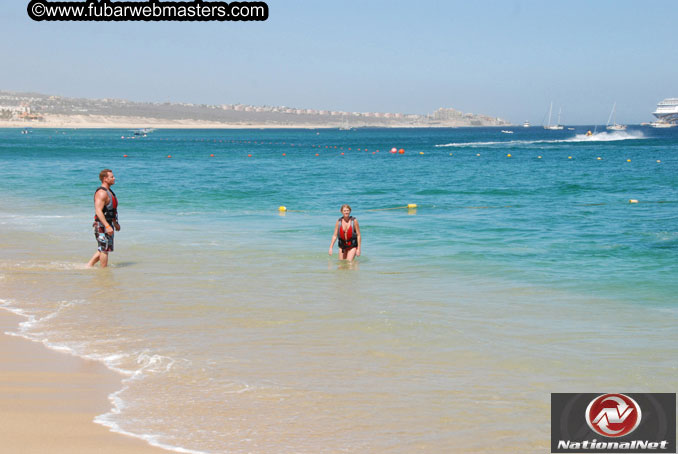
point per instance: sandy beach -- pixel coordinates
(119, 122)
(48, 400)
(135, 122)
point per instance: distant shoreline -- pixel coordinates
(36, 110)
(115, 122)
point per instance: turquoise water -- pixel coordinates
(513, 278)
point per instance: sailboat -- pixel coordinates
(557, 126)
(614, 126)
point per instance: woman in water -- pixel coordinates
(347, 231)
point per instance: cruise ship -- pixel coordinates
(666, 113)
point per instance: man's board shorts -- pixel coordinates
(104, 241)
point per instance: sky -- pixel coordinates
(508, 59)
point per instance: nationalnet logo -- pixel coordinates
(613, 415)
(613, 422)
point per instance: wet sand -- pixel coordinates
(48, 400)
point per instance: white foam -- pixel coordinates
(152, 440)
(606, 137)
(149, 363)
(597, 137)
(57, 266)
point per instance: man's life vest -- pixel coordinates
(111, 208)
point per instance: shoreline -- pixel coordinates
(120, 122)
(49, 400)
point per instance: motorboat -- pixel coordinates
(662, 124)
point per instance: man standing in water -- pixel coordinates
(105, 218)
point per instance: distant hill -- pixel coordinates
(37, 109)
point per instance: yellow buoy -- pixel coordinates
(658, 160)
(411, 205)
(628, 160)
(538, 157)
(599, 158)
(569, 157)
(421, 152)
(633, 201)
(508, 155)
(282, 208)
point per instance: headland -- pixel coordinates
(23, 110)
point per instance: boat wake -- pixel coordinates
(597, 137)
(606, 137)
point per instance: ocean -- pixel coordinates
(523, 270)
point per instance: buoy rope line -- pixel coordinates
(393, 150)
(414, 206)
(409, 206)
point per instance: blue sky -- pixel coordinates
(502, 58)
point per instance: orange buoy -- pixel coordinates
(211, 156)
(317, 154)
(249, 155)
(124, 156)
(342, 153)
(401, 151)
(284, 154)
(169, 155)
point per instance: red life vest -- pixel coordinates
(348, 238)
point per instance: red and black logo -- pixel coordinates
(613, 415)
(605, 423)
